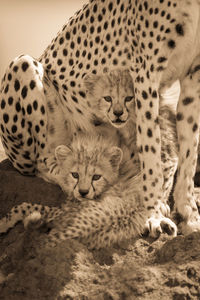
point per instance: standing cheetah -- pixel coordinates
(150, 38)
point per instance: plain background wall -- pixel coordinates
(28, 26)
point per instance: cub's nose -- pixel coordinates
(118, 112)
(83, 193)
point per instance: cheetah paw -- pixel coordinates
(155, 226)
(187, 227)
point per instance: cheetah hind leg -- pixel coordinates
(23, 115)
(188, 120)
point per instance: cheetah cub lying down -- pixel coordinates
(87, 167)
(90, 170)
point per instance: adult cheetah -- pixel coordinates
(151, 38)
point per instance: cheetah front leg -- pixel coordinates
(32, 122)
(188, 120)
(149, 147)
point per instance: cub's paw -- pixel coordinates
(156, 225)
(33, 221)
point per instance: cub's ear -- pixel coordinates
(116, 155)
(90, 81)
(62, 152)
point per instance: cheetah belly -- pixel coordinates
(183, 55)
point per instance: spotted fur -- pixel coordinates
(158, 41)
(117, 213)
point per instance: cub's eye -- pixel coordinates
(108, 99)
(128, 99)
(96, 177)
(75, 175)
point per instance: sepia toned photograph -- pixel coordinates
(99, 150)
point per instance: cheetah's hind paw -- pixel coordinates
(187, 227)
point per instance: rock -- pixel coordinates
(166, 268)
(16, 188)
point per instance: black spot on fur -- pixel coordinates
(162, 59)
(179, 117)
(35, 104)
(82, 94)
(196, 69)
(188, 100)
(9, 76)
(29, 109)
(29, 141)
(139, 105)
(195, 127)
(17, 85)
(154, 94)
(188, 153)
(15, 69)
(67, 35)
(179, 29)
(32, 84)
(3, 104)
(149, 133)
(25, 66)
(10, 100)
(14, 128)
(148, 115)
(171, 44)
(18, 106)
(5, 118)
(24, 92)
(42, 109)
(83, 28)
(144, 95)
(74, 99)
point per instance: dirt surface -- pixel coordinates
(165, 268)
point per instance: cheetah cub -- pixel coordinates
(112, 97)
(91, 168)
(86, 170)
(88, 167)
(117, 216)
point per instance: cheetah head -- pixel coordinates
(87, 171)
(111, 96)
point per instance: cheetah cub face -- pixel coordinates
(111, 96)
(88, 167)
